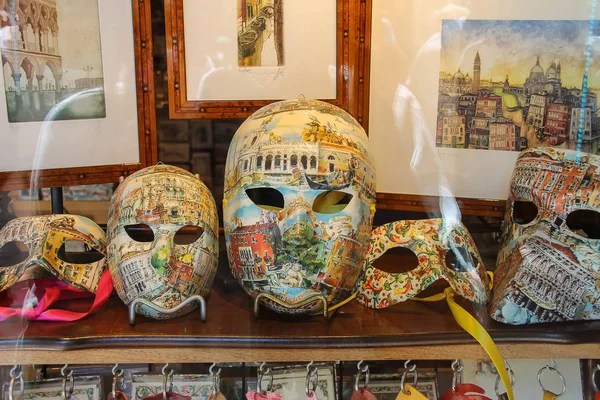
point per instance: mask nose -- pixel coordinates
(163, 246)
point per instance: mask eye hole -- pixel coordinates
(397, 260)
(584, 223)
(460, 260)
(331, 202)
(187, 235)
(75, 252)
(140, 233)
(13, 253)
(523, 212)
(266, 198)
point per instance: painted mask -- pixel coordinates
(435, 242)
(160, 267)
(549, 269)
(299, 203)
(46, 238)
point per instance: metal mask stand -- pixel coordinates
(312, 299)
(174, 310)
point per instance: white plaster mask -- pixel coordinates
(299, 202)
(149, 254)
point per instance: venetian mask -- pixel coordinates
(46, 239)
(444, 250)
(299, 202)
(162, 235)
(548, 268)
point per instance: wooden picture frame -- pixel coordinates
(145, 102)
(353, 18)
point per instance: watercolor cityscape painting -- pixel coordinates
(512, 84)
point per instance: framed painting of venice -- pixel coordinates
(227, 59)
(76, 98)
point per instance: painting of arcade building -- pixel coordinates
(322, 153)
(36, 76)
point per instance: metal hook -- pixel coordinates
(557, 372)
(167, 379)
(512, 376)
(408, 369)
(311, 385)
(117, 373)
(63, 371)
(14, 376)
(216, 377)
(364, 370)
(554, 364)
(261, 373)
(457, 369)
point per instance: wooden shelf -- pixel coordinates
(231, 334)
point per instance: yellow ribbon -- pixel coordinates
(466, 321)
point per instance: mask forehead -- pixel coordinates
(44, 237)
(162, 194)
(546, 271)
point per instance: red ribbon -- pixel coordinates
(49, 291)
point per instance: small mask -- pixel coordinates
(46, 238)
(299, 203)
(432, 241)
(548, 269)
(160, 266)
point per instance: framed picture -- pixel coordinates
(202, 135)
(76, 92)
(173, 131)
(196, 387)
(227, 59)
(457, 92)
(201, 165)
(84, 388)
(387, 386)
(174, 152)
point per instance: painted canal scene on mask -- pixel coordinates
(299, 201)
(51, 62)
(162, 199)
(509, 85)
(260, 33)
(548, 269)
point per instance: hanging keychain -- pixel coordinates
(549, 395)
(67, 377)
(261, 394)
(16, 374)
(116, 392)
(312, 381)
(167, 390)
(462, 391)
(410, 391)
(216, 378)
(504, 396)
(362, 393)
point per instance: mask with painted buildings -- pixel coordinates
(444, 250)
(48, 242)
(548, 268)
(298, 204)
(162, 240)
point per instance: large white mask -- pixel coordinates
(299, 203)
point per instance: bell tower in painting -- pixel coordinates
(476, 72)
